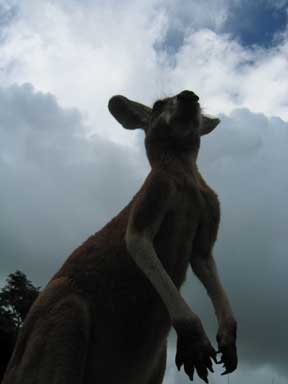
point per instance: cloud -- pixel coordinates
(55, 144)
(183, 17)
(259, 22)
(88, 64)
(101, 52)
(245, 161)
(57, 185)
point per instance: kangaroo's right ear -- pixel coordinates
(128, 113)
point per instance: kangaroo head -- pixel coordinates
(174, 122)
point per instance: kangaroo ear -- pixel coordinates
(208, 124)
(128, 113)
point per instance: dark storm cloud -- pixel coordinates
(245, 161)
(56, 186)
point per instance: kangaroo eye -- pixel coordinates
(158, 106)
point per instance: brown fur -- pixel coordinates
(100, 320)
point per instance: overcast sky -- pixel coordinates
(66, 167)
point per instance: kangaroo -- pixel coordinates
(105, 315)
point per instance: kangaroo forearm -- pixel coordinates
(206, 270)
(144, 255)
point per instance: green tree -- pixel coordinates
(16, 298)
(7, 338)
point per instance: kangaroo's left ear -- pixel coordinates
(128, 113)
(208, 124)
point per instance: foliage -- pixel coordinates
(16, 298)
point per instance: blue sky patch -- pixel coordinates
(251, 22)
(257, 22)
(172, 41)
(7, 15)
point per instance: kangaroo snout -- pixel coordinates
(187, 97)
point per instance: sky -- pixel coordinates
(66, 167)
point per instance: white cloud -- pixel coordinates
(55, 191)
(229, 76)
(85, 53)
(84, 56)
(56, 185)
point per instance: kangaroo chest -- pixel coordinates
(193, 208)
